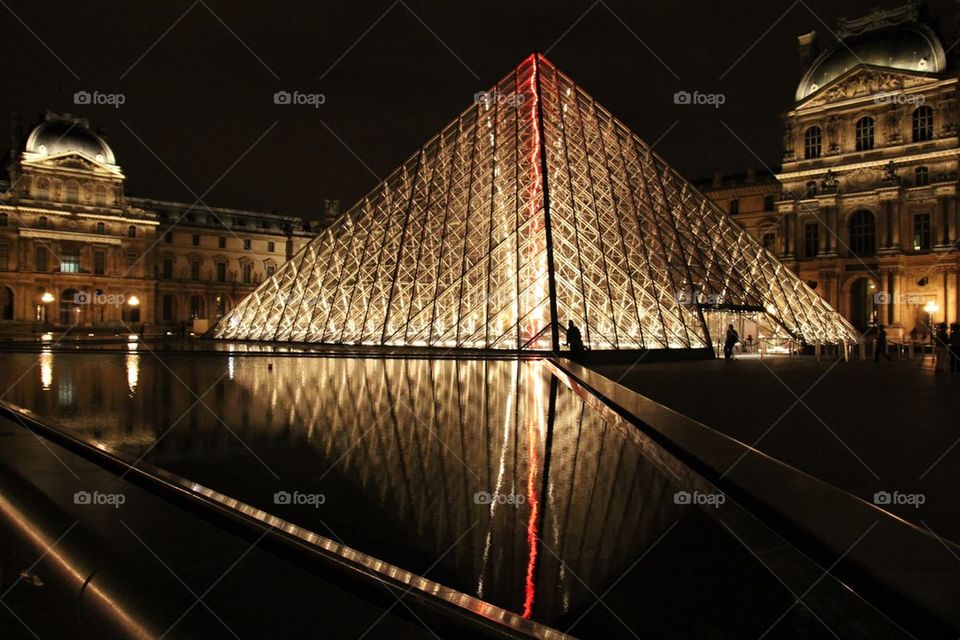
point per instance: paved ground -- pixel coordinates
(861, 426)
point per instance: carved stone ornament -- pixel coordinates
(863, 178)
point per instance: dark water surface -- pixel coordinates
(397, 458)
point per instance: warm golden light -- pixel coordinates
(931, 307)
(133, 301)
(47, 298)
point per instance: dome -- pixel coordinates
(56, 135)
(910, 47)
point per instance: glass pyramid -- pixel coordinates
(533, 207)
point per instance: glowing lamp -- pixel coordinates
(47, 298)
(931, 307)
(133, 301)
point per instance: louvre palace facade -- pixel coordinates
(864, 205)
(77, 252)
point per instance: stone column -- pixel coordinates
(884, 218)
(788, 245)
(832, 230)
(943, 208)
(892, 293)
(824, 218)
(896, 278)
(951, 203)
(896, 214)
(955, 287)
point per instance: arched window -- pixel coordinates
(921, 176)
(768, 203)
(811, 143)
(922, 123)
(42, 222)
(101, 228)
(863, 233)
(864, 134)
(72, 192)
(43, 189)
(197, 307)
(168, 308)
(131, 231)
(734, 207)
(6, 303)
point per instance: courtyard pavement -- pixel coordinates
(864, 427)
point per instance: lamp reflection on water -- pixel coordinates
(46, 369)
(133, 371)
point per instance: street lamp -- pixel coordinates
(134, 303)
(46, 299)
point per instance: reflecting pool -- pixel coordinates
(494, 477)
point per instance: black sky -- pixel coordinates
(201, 96)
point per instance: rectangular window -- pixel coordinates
(168, 268)
(246, 245)
(41, 256)
(196, 240)
(247, 273)
(811, 239)
(222, 242)
(4, 257)
(99, 263)
(922, 237)
(221, 272)
(70, 261)
(168, 308)
(131, 260)
(271, 247)
(194, 269)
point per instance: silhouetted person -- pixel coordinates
(574, 340)
(955, 348)
(941, 347)
(732, 339)
(880, 346)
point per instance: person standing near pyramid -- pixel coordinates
(732, 339)
(574, 340)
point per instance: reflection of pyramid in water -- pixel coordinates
(533, 207)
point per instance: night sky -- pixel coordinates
(199, 80)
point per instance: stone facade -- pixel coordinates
(76, 252)
(866, 198)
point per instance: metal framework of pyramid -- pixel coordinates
(533, 207)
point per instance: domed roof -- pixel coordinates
(62, 134)
(910, 47)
